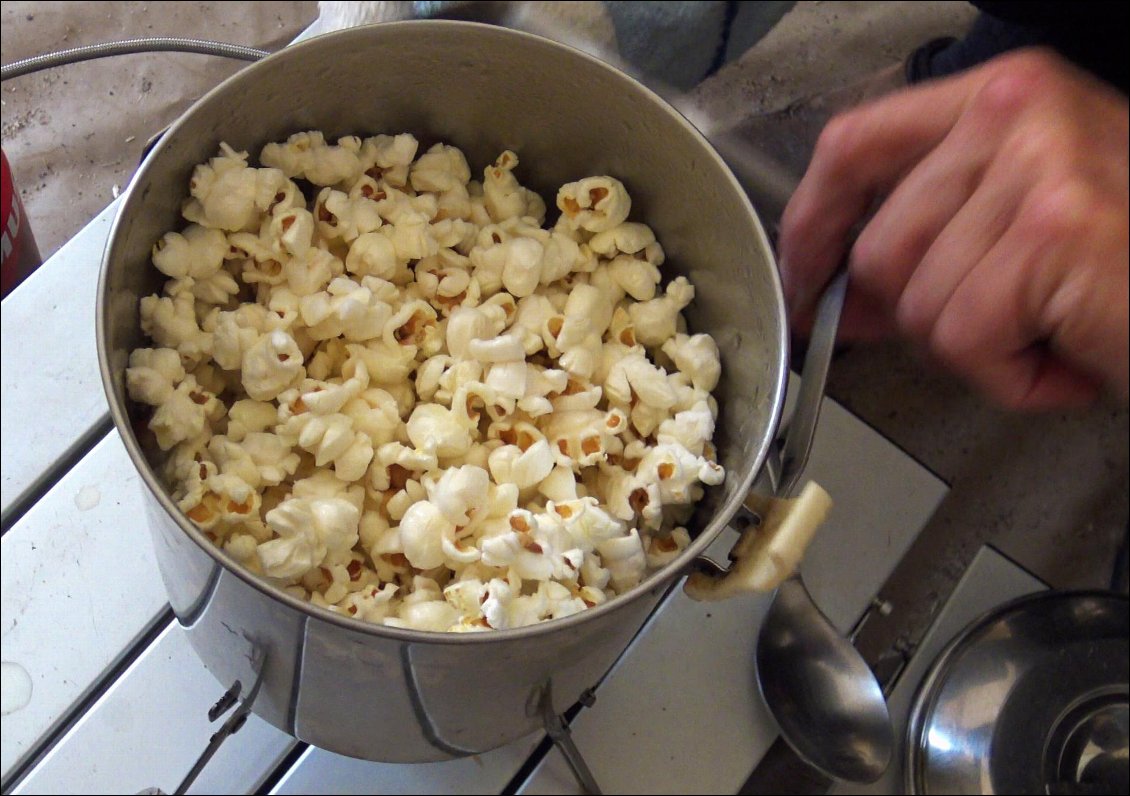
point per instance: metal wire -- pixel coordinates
(149, 44)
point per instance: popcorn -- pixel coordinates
(339, 217)
(374, 254)
(424, 409)
(503, 197)
(637, 278)
(523, 468)
(308, 156)
(344, 309)
(626, 238)
(271, 365)
(227, 195)
(292, 231)
(595, 204)
(435, 428)
(153, 374)
(310, 531)
(197, 252)
(388, 157)
(441, 169)
(171, 322)
(696, 356)
(655, 321)
(184, 413)
(624, 558)
(311, 271)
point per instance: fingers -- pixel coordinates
(986, 325)
(859, 157)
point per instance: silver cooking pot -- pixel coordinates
(396, 695)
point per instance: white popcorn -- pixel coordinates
(344, 309)
(171, 322)
(310, 531)
(422, 531)
(656, 321)
(235, 332)
(520, 260)
(459, 493)
(410, 233)
(440, 169)
(308, 156)
(697, 356)
(371, 604)
(596, 204)
(197, 252)
(424, 386)
(625, 560)
(691, 428)
(562, 256)
(503, 196)
(374, 413)
(431, 614)
(388, 157)
(293, 229)
(409, 324)
(560, 485)
(508, 379)
(338, 217)
(153, 374)
(271, 456)
(523, 468)
(677, 471)
(662, 549)
(184, 414)
(388, 364)
(435, 428)
(271, 365)
(638, 278)
(626, 238)
(311, 271)
(505, 348)
(228, 195)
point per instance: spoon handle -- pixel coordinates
(814, 374)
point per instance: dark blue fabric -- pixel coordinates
(1092, 35)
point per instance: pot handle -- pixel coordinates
(776, 530)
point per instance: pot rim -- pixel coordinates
(661, 578)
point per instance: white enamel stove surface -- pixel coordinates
(103, 694)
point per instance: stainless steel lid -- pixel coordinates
(1031, 698)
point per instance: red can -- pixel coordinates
(21, 255)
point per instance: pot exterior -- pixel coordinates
(407, 696)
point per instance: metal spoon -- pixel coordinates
(827, 702)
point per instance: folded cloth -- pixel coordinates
(676, 43)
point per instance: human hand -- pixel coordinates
(1000, 243)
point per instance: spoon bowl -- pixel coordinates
(826, 700)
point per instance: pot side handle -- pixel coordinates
(768, 551)
(775, 531)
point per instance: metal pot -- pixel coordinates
(407, 696)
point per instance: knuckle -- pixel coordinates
(911, 317)
(949, 343)
(872, 260)
(1018, 81)
(840, 141)
(1005, 94)
(1046, 150)
(1033, 65)
(1061, 211)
